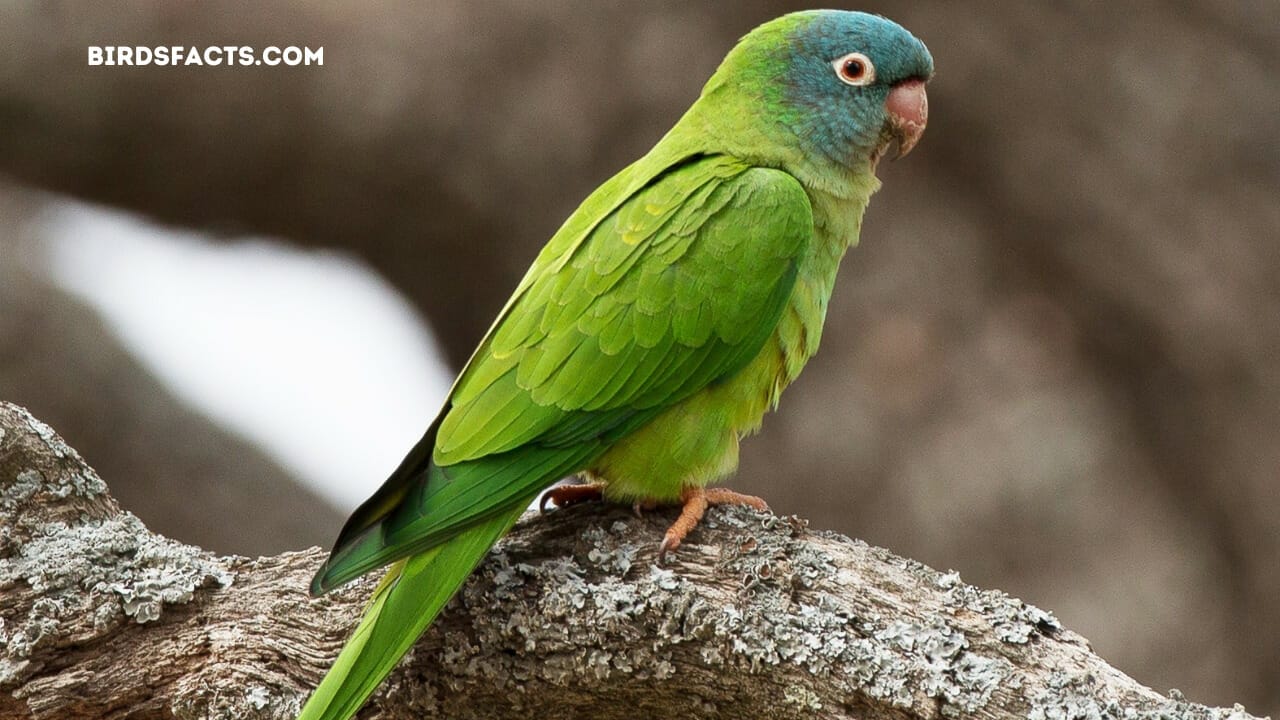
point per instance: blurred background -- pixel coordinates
(1053, 363)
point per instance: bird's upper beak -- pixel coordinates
(908, 108)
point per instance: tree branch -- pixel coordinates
(568, 617)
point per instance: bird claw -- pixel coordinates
(694, 504)
(669, 543)
(696, 501)
(566, 495)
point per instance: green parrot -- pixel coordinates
(653, 331)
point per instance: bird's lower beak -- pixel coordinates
(908, 108)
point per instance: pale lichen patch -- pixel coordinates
(104, 569)
(258, 697)
(801, 697)
(1012, 620)
(16, 493)
(50, 438)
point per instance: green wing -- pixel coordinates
(626, 312)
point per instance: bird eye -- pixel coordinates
(855, 69)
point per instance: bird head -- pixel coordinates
(843, 85)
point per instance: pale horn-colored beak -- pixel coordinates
(908, 108)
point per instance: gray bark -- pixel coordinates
(568, 617)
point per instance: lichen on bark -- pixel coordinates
(568, 617)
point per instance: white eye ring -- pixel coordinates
(855, 69)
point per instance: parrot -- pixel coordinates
(653, 331)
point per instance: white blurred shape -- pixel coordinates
(311, 355)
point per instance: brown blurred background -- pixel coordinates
(1053, 364)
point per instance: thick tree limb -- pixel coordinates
(569, 617)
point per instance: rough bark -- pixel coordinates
(568, 617)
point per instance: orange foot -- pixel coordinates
(565, 495)
(696, 501)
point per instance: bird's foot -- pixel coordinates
(565, 495)
(640, 507)
(696, 501)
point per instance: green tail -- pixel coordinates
(407, 600)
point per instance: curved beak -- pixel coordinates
(908, 108)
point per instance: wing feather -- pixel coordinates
(682, 276)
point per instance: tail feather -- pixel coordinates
(423, 505)
(408, 599)
(338, 569)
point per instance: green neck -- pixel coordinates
(724, 120)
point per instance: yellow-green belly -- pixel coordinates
(695, 442)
